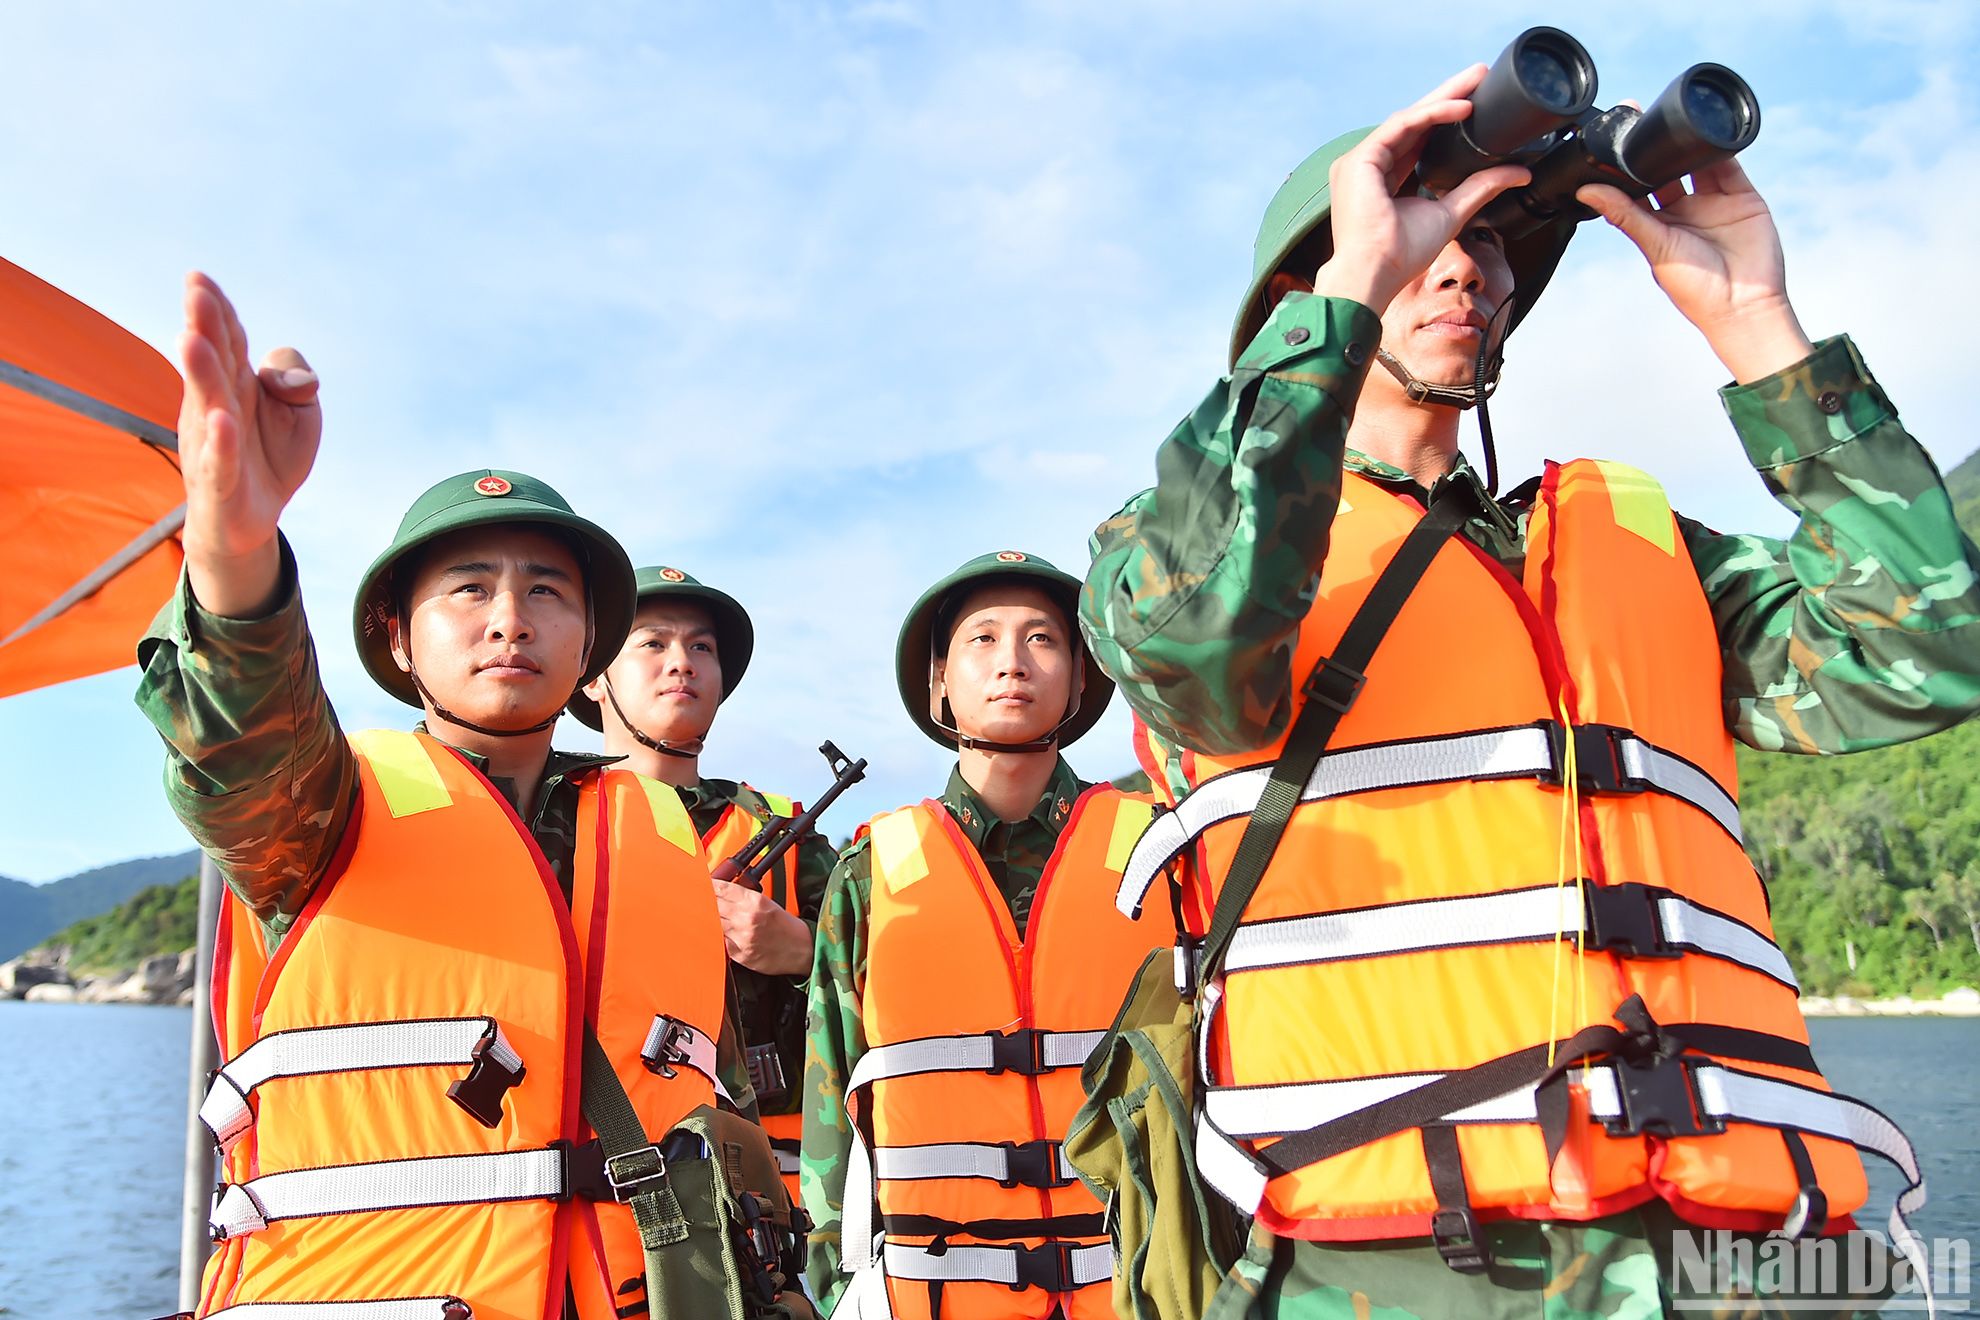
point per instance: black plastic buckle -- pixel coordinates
(1021, 1052)
(1032, 1164)
(487, 1083)
(1623, 918)
(1660, 1098)
(669, 1050)
(1598, 763)
(1809, 1216)
(1333, 684)
(1048, 1265)
(1189, 965)
(1460, 1241)
(766, 1073)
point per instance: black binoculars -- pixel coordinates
(1536, 108)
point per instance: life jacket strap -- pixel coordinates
(1633, 920)
(1057, 1226)
(475, 1043)
(1039, 1164)
(1028, 1052)
(1622, 763)
(344, 1189)
(1058, 1267)
(389, 1308)
(1665, 1095)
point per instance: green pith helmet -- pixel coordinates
(735, 636)
(914, 656)
(1305, 202)
(488, 498)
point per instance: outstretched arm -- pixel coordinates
(255, 764)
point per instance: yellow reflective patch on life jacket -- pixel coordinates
(1131, 817)
(1640, 504)
(781, 806)
(670, 816)
(897, 854)
(406, 775)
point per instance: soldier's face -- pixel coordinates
(1436, 324)
(667, 679)
(497, 625)
(1009, 671)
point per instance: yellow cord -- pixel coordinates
(1570, 828)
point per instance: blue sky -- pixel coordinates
(816, 301)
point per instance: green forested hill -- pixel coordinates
(1876, 857)
(159, 919)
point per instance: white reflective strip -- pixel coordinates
(1681, 779)
(906, 1058)
(1540, 913)
(972, 1053)
(954, 1159)
(1271, 1111)
(356, 1047)
(1726, 1093)
(1443, 923)
(974, 1264)
(1722, 937)
(697, 1051)
(1227, 1167)
(398, 1308)
(388, 1185)
(1500, 753)
(787, 1160)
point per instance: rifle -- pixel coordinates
(751, 862)
(747, 866)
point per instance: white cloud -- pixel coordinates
(821, 300)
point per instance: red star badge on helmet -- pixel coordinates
(672, 575)
(1010, 556)
(492, 485)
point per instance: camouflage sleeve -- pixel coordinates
(1198, 586)
(255, 765)
(835, 1041)
(815, 858)
(1863, 628)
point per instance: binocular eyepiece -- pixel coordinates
(1536, 108)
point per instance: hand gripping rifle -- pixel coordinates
(751, 862)
(747, 866)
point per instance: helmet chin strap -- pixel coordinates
(1483, 384)
(687, 751)
(945, 720)
(452, 718)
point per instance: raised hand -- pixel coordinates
(1715, 253)
(1382, 241)
(247, 439)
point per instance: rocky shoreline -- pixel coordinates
(43, 976)
(1963, 1002)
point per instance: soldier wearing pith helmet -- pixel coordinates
(968, 957)
(1394, 709)
(656, 704)
(454, 1080)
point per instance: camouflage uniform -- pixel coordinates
(759, 996)
(1861, 630)
(258, 769)
(1014, 853)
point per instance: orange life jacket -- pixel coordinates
(402, 1091)
(975, 1038)
(1467, 893)
(734, 828)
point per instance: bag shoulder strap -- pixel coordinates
(1330, 689)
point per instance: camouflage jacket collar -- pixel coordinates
(1053, 810)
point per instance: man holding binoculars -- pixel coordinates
(1487, 1012)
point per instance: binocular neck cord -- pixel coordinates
(1484, 381)
(452, 718)
(640, 736)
